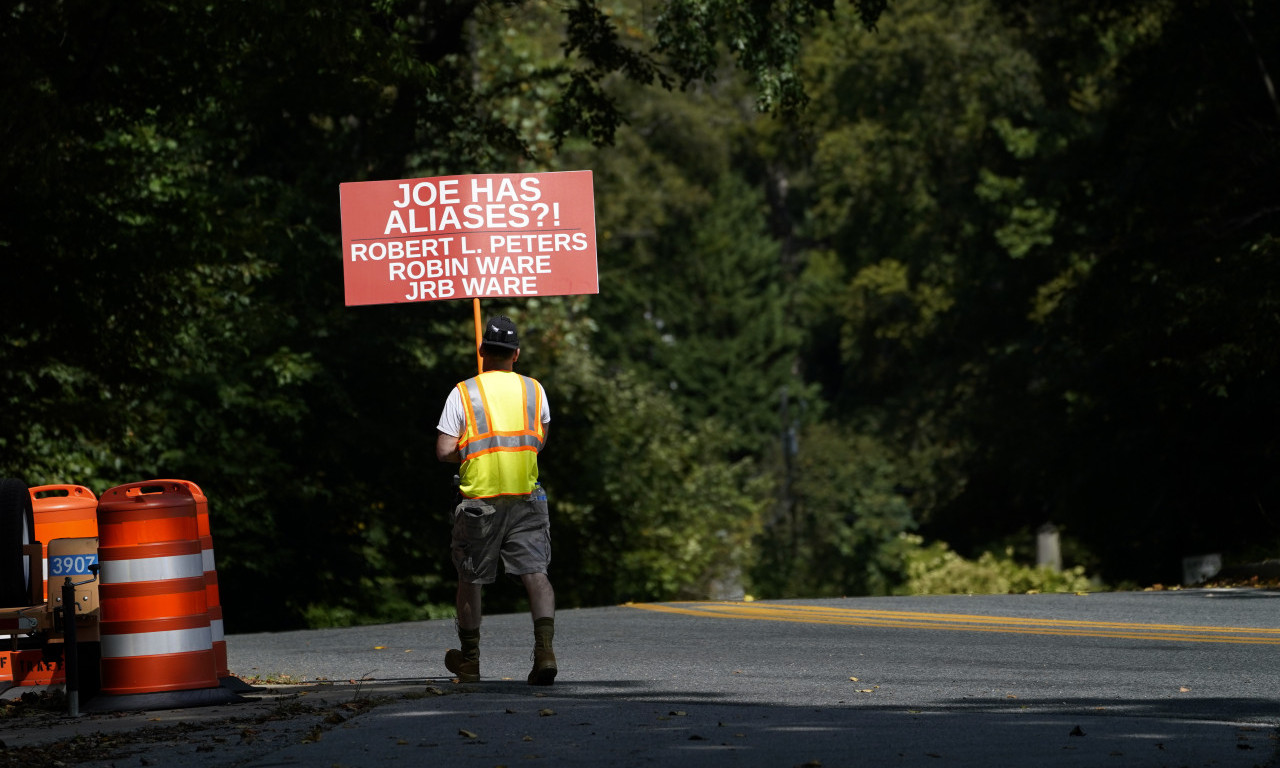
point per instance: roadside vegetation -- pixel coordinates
(884, 287)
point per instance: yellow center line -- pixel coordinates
(815, 614)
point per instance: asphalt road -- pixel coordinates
(1182, 678)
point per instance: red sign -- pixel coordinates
(462, 237)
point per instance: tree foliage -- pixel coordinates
(936, 570)
(1138, 358)
(866, 269)
(653, 505)
(169, 242)
(1040, 212)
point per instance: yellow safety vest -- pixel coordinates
(503, 434)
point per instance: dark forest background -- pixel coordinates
(877, 280)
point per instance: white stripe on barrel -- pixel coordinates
(157, 643)
(151, 569)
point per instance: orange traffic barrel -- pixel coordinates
(210, 576)
(62, 512)
(152, 597)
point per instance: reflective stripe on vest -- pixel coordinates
(503, 434)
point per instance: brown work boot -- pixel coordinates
(544, 659)
(465, 663)
(544, 667)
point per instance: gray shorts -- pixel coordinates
(516, 527)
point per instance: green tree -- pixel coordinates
(846, 510)
(649, 504)
(1153, 360)
(169, 245)
(1054, 226)
(713, 325)
(918, 245)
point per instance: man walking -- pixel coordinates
(495, 424)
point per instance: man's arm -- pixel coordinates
(447, 448)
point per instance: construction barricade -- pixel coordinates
(210, 577)
(156, 634)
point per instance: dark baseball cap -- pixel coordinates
(500, 332)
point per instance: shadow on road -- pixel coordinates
(622, 723)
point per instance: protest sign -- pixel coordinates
(475, 236)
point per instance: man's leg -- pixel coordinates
(542, 605)
(473, 549)
(465, 662)
(542, 598)
(469, 605)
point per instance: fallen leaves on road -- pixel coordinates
(272, 680)
(307, 720)
(464, 733)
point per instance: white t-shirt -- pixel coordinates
(453, 420)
